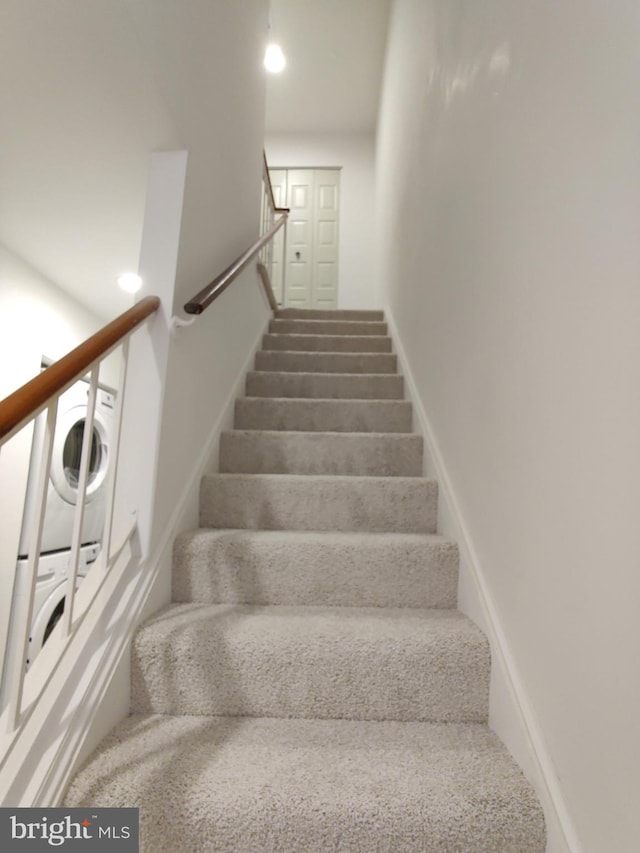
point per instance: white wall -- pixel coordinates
(355, 154)
(212, 82)
(80, 115)
(509, 203)
(38, 319)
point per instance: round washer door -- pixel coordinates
(67, 449)
(45, 621)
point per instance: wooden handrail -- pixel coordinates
(206, 296)
(19, 408)
(198, 303)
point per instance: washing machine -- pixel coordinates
(62, 492)
(50, 593)
(62, 496)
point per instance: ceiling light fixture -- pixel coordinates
(274, 59)
(130, 282)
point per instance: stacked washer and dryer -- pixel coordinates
(62, 494)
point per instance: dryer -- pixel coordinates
(49, 595)
(62, 492)
(62, 496)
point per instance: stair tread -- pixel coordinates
(375, 314)
(309, 435)
(332, 400)
(350, 356)
(328, 478)
(304, 336)
(319, 414)
(297, 342)
(321, 452)
(327, 362)
(323, 321)
(315, 567)
(310, 661)
(307, 336)
(327, 373)
(309, 385)
(238, 785)
(329, 327)
(329, 352)
(330, 373)
(319, 502)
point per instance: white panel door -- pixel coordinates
(311, 254)
(299, 238)
(279, 184)
(325, 239)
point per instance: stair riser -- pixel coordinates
(319, 453)
(326, 362)
(326, 327)
(244, 567)
(331, 415)
(326, 343)
(235, 661)
(320, 314)
(282, 502)
(325, 386)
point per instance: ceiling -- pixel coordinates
(335, 55)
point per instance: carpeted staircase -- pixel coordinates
(313, 687)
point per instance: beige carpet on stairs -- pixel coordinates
(312, 687)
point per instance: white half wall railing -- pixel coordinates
(39, 398)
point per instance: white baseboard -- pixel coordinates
(511, 713)
(84, 696)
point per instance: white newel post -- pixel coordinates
(149, 349)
